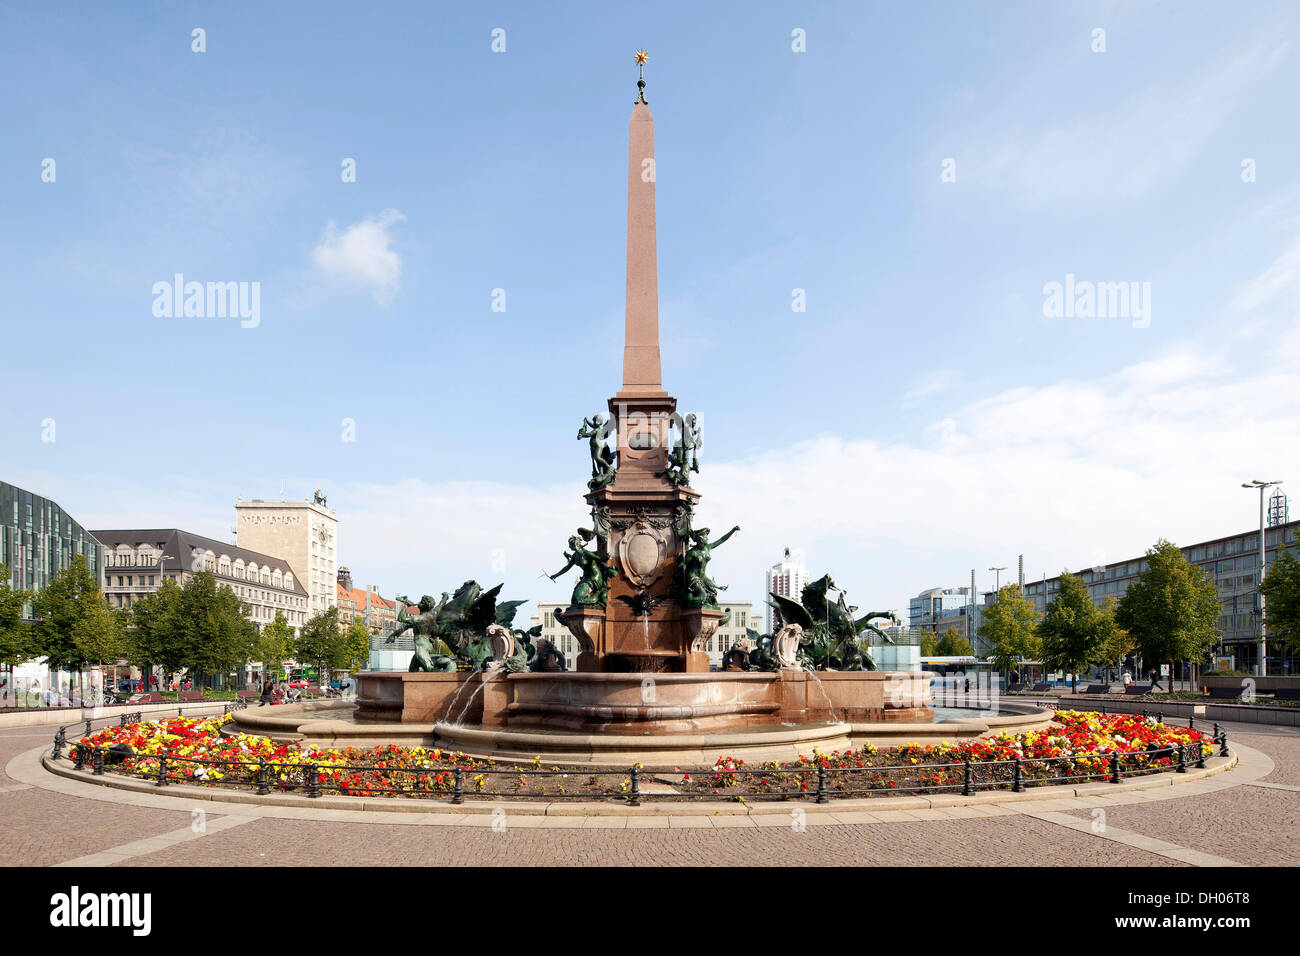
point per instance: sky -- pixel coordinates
(916, 176)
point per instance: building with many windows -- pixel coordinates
(941, 609)
(303, 533)
(787, 578)
(1233, 564)
(355, 604)
(38, 539)
(136, 562)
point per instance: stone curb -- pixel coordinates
(871, 806)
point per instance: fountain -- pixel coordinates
(642, 610)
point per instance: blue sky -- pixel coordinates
(921, 417)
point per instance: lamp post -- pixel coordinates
(161, 559)
(1261, 667)
(997, 578)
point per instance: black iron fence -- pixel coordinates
(818, 781)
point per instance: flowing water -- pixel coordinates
(830, 710)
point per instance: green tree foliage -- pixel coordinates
(100, 634)
(354, 649)
(1010, 625)
(1075, 632)
(198, 627)
(929, 643)
(72, 594)
(1172, 609)
(1281, 589)
(15, 632)
(318, 642)
(273, 644)
(952, 644)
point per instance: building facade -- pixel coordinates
(1233, 564)
(137, 561)
(303, 533)
(364, 605)
(38, 539)
(787, 578)
(941, 609)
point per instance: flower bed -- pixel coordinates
(1079, 745)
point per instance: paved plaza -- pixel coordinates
(1249, 816)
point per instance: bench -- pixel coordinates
(248, 694)
(189, 696)
(1226, 693)
(1015, 688)
(1097, 689)
(1137, 690)
(1287, 693)
(1041, 689)
(150, 698)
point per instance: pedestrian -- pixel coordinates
(268, 693)
(1155, 680)
(1128, 679)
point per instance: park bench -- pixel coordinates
(149, 698)
(189, 696)
(1043, 688)
(248, 694)
(1097, 689)
(1226, 693)
(1015, 688)
(1287, 693)
(1137, 690)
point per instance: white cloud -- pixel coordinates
(361, 254)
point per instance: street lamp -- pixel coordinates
(997, 577)
(1262, 666)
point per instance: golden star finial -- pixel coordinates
(642, 56)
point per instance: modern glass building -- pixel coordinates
(39, 539)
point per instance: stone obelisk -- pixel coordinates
(643, 626)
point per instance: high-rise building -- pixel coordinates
(304, 533)
(39, 539)
(788, 579)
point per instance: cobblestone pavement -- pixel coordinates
(1251, 823)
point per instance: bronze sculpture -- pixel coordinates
(603, 463)
(592, 589)
(696, 589)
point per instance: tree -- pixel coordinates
(318, 640)
(15, 631)
(100, 635)
(952, 644)
(928, 644)
(354, 649)
(1074, 630)
(1010, 625)
(272, 645)
(159, 638)
(199, 627)
(1172, 609)
(1281, 590)
(70, 595)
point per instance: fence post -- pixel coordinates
(97, 762)
(1191, 722)
(1160, 718)
(313, 783)
(79, 761)
(162, 771)
(1216, 732)
(1016, 785)
(458, 792)
(634, 797)
(59, 741)
(87, 728)
(1200, 755)
(965, 777)
(821, 784)
(1114, 768)
(1223, 744)
(263, 784)
(1182, 759)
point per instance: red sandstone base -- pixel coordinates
(660, 703)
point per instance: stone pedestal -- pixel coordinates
(587, 625)
(699, 624)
